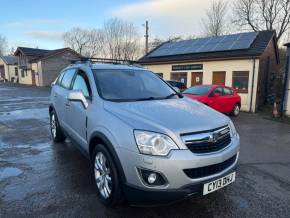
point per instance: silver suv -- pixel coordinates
(147, 143)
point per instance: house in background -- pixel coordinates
(247, 62)
(40, 67)
(8, 68)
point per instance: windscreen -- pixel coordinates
(197, 90)
(131, 85)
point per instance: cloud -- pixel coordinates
(46, 35)
(34, 22)
(166, 17)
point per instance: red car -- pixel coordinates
(221, 98)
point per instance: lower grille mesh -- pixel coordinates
(200, 172)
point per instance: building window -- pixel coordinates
(25, 72)
(22, 73)
(160, 75)
(241, 81)
(16, 71)
(182, 77)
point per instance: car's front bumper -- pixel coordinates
(172, 167)
(137, 196)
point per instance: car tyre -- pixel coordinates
(236, 110)
(106, 177)
(55, 129)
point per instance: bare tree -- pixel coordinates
(215, 21)
(3, 45)
(11, 50)
(84, 41)
(117, 39)
(263, 15)
(155, 43)
(122, 40)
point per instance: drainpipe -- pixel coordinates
(252, 89)
(8, 73)
(286, 89)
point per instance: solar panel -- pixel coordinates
(209, 44)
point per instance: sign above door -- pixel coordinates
(187, 67)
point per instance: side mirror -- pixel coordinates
(78, 96)
(53, 83)
(176, 89)
(216, 95)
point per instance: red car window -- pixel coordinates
(227, 91)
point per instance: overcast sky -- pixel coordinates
(41, 23)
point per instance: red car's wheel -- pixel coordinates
(236, 110)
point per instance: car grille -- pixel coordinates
(200, 172)
(208, 141)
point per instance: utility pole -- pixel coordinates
(146, 36)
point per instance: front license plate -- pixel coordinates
(219, 183)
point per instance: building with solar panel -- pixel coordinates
(245, 61)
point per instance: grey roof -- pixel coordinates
(256, 49)
(32, 51)
(116, 67)
(41, 53)
(10, 60)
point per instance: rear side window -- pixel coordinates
(67, 78)
(228, 91)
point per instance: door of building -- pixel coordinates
(196, 78)
(2, 72)
(219, 78)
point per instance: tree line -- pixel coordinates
(117, 39)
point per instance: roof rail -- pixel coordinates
(106, 61)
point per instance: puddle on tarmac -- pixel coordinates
(9, 172)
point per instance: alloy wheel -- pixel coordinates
(53, 125)
(103, 175)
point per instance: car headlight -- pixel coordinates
(154, 143)
(233, 128)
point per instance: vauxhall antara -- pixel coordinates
(147, 143)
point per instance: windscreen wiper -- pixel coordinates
(173, 94)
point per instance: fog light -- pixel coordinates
(152, 178)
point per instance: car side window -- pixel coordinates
(59, 78)
(218, 90)
(67, 78)
(81, 83)
(227, 91)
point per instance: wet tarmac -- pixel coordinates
(42, 179)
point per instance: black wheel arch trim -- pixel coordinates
(51, 108)
(111, 150)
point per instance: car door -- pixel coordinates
(228, 99)
(76, 114)
(55, 92)
(216, 102)
(60, 96)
